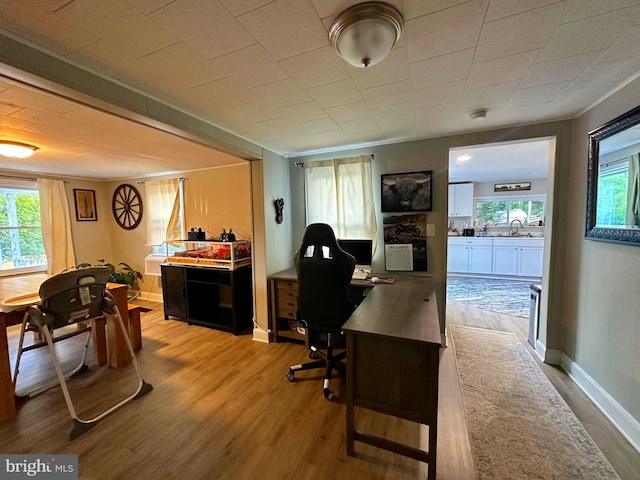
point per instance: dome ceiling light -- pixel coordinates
(16, 149)
(365, 33)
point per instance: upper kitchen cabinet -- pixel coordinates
(461, 200)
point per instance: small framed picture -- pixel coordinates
(85, 205)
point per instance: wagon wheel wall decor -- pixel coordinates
(127, 206)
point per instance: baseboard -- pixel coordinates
(552, 356)
(621, 419)
(444, 338)
(152, 297)
(260, 335)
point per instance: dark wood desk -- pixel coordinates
(393, 352)
(14, 286)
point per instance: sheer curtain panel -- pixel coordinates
(339, 192)
(164, 220)
(56, 225)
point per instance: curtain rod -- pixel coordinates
(301, 164)
(19, 178)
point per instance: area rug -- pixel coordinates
(510, 297)
(519, 426)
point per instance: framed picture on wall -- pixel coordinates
(85, 205)
(407, 192)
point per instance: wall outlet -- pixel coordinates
(431, 230)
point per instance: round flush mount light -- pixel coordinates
(365, 33)
(479, 114)
(16, 149)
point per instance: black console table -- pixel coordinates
(209, 297)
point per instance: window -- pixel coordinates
(613, 185)
(165, 212)
(21, 246)
(340, 193)
(530, 211)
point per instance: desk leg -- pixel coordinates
(100, 340)
(350, 408)
(7, 400)
(118, 351)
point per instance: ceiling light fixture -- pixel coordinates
(16, 149)
(479, 114)
(365, 33)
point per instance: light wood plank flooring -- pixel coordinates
(221, 408)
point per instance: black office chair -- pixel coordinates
(67, 299)
(324, 297)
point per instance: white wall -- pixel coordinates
(601, 332)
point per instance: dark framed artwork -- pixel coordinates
(407, 192)
(85, 205)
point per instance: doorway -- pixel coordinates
(499, 196)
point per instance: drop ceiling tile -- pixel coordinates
(119, 23)
(282, 93)
(591, 8)
(302, 112)
(7, 108)
(333, 8)
(286, 28)
(539, 94)
(36, 101)
(239, 7)
(188, 68)
(440, 94)
(439, 70)
(373, 136)
(13, 123)
(334, 94)
(506, 8)
(43, 27)
(418, 8)
(437, 113)
(358, 126)
(446, 31)
(603, 73)
(220, 93)
(520, 33)
(590, 34)
(317, 67)
(250, 66)
(487, 96)
(390, 94)
(250, 112)
(399, 130)
(351, 111)
(392, 69)
(148, 6)
(393, 113)
(321, 125)
(560, 70)
(626, 46)
(500, 70)
(206, 26)
(580, 97)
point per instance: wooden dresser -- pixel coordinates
(283, 295)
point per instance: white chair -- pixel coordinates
(66, 299)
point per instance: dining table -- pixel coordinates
(17, 293)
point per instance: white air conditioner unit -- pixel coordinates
(152, 264)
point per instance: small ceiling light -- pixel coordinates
(464, 158)
(365, 33)
(479, 114)
(16, 149)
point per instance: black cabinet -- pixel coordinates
(208, 297)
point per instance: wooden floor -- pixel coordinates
(221, 408)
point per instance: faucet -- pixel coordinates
(513, 232)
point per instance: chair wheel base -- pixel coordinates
(291, 376)
(328, 394)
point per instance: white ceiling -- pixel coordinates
(264, 70)
(502, 162)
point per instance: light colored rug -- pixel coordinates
(520, 427)
(510, 297)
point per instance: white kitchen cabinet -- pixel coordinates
(461, 200)
(469, 255)
(518, 256)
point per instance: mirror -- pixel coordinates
(613, 180)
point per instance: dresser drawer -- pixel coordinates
(287, 294)
(287, 308)
(287, 284)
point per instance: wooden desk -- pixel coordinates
(393, 352)
(13, 286)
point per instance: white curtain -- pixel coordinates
(339, 192)
(164, 220)
(56, 225)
